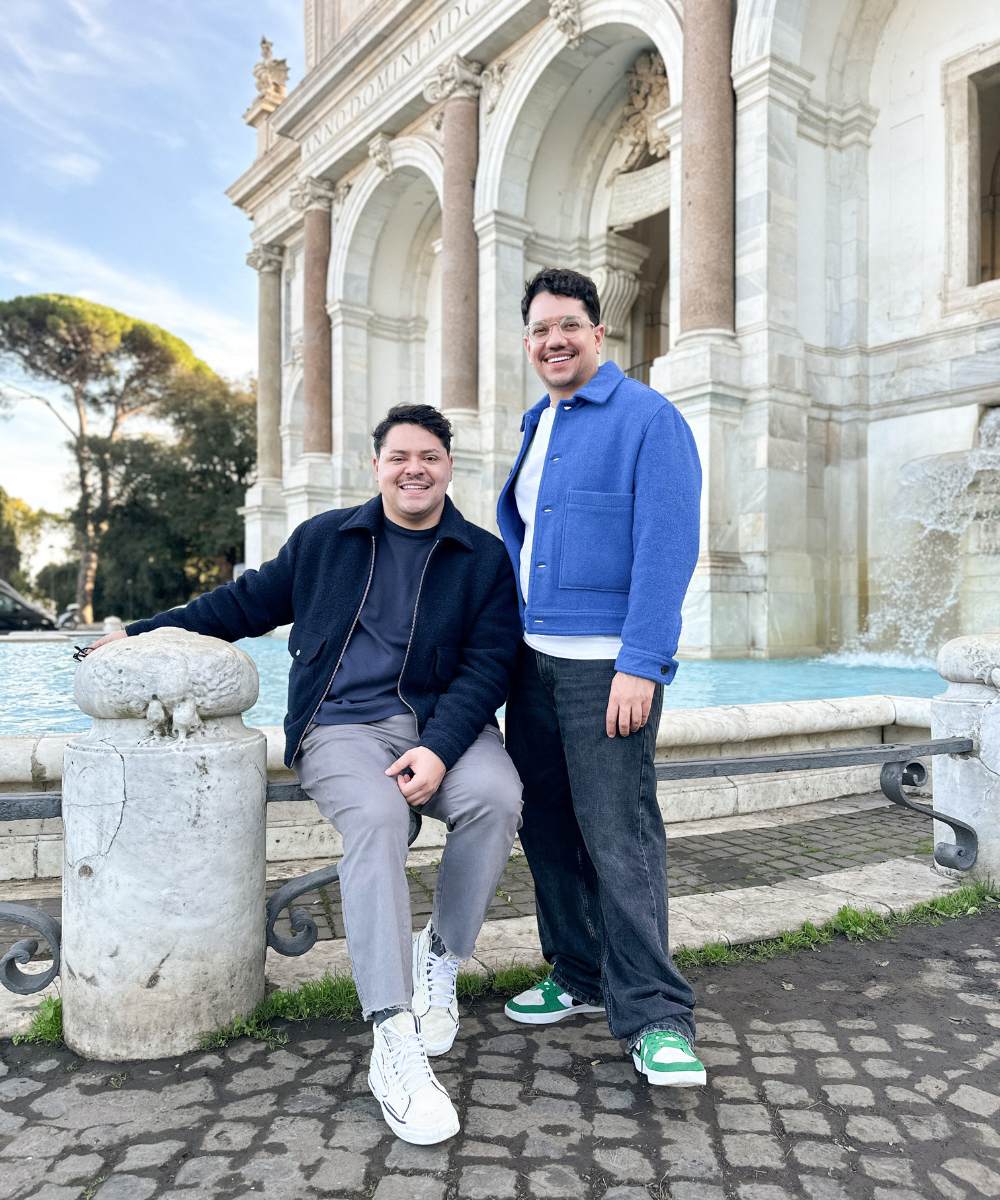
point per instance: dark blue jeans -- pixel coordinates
(594, 839)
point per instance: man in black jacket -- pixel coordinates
(404, 641)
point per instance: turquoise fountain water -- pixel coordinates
(36, 683)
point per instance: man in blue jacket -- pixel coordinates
(600, 518)
(404, 641)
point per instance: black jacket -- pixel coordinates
(466, 627)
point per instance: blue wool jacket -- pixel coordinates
(616, 534)
(465, 635)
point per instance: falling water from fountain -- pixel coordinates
(947, 517)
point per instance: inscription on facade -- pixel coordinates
(405, 63)
(640, 194)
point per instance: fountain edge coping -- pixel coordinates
(34, 762)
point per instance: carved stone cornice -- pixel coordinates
(456, 77)
(310, 192)
(266, 259)
(380, 152)
(567, 18)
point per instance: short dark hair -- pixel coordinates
(563, 282)
(424, 415)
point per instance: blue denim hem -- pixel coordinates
(569, 992)
(659, 1027)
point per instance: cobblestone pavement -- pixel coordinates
(702, 863)
(856, 1072)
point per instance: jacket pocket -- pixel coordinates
(304, 646)
(445, 666)
(597, 542)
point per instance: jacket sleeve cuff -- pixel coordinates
(646, 666)
(444, 748)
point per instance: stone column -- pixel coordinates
(164, 854)
(310, 486)
(707, 198)
(702, 374)
(968, 786)
(457, 83)
(264, 508)
(314, 198)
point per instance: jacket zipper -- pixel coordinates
(413, 626)
(343, 648)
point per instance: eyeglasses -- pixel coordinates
(538, 331)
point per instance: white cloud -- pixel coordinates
(41, 263)
(73, 167)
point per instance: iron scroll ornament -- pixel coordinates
(959, 855)
(304, 930)
(11, 976)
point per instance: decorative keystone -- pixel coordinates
(972, 659)
(169, 677)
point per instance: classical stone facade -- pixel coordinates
(789, 207)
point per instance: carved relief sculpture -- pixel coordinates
(310, 192)
(379, 151)
(494, 78)
(270, 74)
(649, 95)
(566, 15)
(456, 77)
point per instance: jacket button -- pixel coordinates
(664, 670)
(541, 566)
(567, 407)
(546, 510)
(555, 458)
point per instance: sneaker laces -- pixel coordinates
(442, 976)
(409, 1062)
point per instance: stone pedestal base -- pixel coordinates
(264, 516)
(309, 489)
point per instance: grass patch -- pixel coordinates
(857, 926)
(335, 998)
(46, 1024)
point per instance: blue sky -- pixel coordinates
(120, 128)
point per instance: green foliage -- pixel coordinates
(471, 987)
(20, 529)
(46, 1024)
(112, 368)
(57, 581)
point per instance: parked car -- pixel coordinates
(18, 613)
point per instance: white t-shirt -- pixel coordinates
(529, 477)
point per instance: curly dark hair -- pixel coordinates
(562, 282)
(424, 415)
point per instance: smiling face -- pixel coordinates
(413, 471)
(564, 362)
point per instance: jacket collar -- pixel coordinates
(597, 390)
(453, 525)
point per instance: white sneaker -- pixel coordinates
(415, 1106)
(434, 1001)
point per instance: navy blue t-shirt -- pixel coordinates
(365, 686)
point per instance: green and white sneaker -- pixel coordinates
(666, 1059)
(544, 1004)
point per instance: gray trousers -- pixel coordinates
(342, 767)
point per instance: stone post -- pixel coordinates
(164, 851)
(457, 83)
(309, 487)
(707, 246)
(968, 787)
(264, 509)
